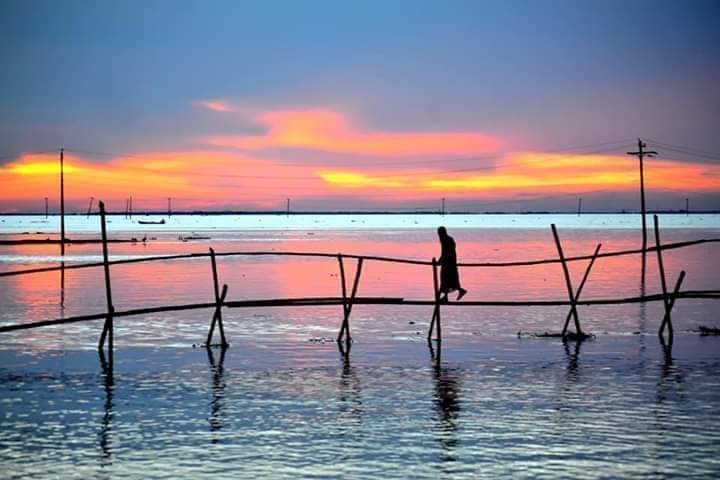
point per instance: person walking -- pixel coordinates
(449, 277)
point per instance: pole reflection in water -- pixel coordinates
(573, 366)
(447, 403)
(350, 398)
(670, 375)
(106, 429)
(218, 390)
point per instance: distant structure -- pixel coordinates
(641, 154)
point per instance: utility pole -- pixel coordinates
(89, 207)
(46, 208)
(287, 208)
(62, 202)
(687, 207)
(169, 207)
(130, 210)
(579, 206)
(641, 153)
(442, 210)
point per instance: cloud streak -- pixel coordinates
(331, 131)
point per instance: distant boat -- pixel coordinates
(192, 237)
(151, 222)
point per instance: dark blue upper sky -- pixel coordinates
(123, 76)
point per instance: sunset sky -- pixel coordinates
(493, 105)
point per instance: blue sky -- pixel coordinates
(126, 76)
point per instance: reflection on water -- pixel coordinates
(105, 431)
(447, 404)
(520, 408)
(486, 404)
(218, 390)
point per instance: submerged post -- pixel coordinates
(219, 299)
(435, 321)
(573, 308)
(668, 301)
(348, 302)
(568, 282)
(108, 327)
(344, 330)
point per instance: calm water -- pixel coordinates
(283, 402)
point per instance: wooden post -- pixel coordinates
(343, 288)
(668, 301)
(108, 327)
(62, 228)
(661, 268)
(87, 215)
(46, 208)
(579, 206)
(346, 310)
(579, 290)
(435, 321)
(568, 282)
(667, 320)
(62, 202)
(219, 299)
(217, 318)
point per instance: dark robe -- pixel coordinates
(449, 278)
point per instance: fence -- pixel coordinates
(348, 297)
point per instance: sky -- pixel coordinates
(373, 105)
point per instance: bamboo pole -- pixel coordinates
(343, 289)
(568, 282)
(350, 302)
(580, 288)
(525, 263)
(661, 268)
(108, 327)
(217, 315)
(667, 320)
(435, 321)
(329, 301)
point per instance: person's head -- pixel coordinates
(442, 232)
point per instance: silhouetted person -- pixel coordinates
(449, 277)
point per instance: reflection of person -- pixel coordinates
(449, 277)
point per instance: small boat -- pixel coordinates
(151, 222)
(192, 237)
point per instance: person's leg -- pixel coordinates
(461, 293)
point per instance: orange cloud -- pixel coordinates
(207, 179)
(329, 131)
(523, 172)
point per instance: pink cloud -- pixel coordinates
(216, 106)
(331, 131)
